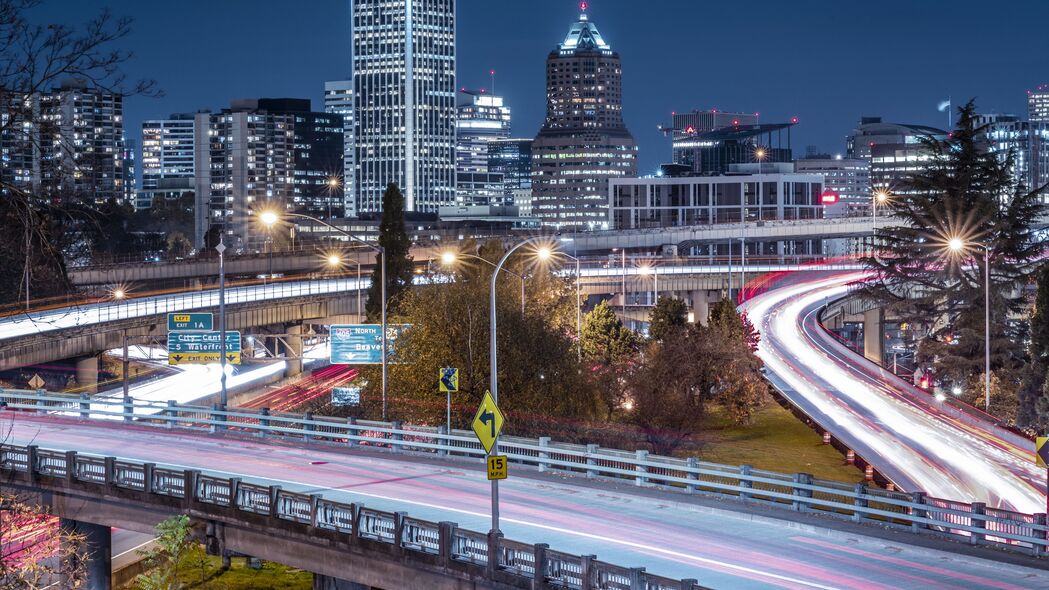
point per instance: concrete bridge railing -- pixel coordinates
(461, 553)
(912, 511)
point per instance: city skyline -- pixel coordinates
(514, 41)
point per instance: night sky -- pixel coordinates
(826, 62)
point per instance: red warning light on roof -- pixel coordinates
(829, 197)
(690, 129)
(735, 122)
(584, 5)
(793, 119)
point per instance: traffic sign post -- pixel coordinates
(202, 348)
(191, 322)
(487, 424)
(1041, 451)
(361, 344)
(448, 383)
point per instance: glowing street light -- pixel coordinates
(957, 245)
(271, 217)
(334, 260)
(119, 293)
(449, 258)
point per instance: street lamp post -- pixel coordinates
(493, 354)
(270, 218)
(881, 196)
(578, 305)
(957, 245)
(449, 258)
(221, 248)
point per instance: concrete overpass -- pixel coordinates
(333, 489)
(194, 272)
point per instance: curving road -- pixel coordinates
(917, 442)
(666, 533)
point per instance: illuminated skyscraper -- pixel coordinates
(584, 142)
(1038, 104)
(404, 101)
(338, 99)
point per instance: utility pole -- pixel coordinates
(221, 248)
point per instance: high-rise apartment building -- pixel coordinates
(338, 99)
(67, 144)
(895, 151)
(584, 142)
(1027, 141)
(480, 119)
(1038, 104)
(404, 101)
(167, 149)
(263, 154)
(847, 178)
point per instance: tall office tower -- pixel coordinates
(512, 158)
(894, 150)
(338, 99)
(167, 149)
(584, 142)
(1038, 104)
(404, 101)
(480, 119)
(263, 154)
(1027, 141)
(72, 147)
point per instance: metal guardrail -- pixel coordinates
(917, 512)
(443, 539)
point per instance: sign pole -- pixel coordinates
(449, 412)
(127, 393)
(223, 397)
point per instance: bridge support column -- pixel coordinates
(87, 374)
(97, 552)
(329, 583)
(700, 306)
(293, 349)
(873, 334)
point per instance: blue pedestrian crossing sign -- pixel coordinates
(449, 380)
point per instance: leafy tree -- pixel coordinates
(610, 350)
(538, 372)
(177, 561)
(1034, 373)
(969, 194)
(35, 550)
(670, 314)
(393, 237)
(178, 246)
(725, 316)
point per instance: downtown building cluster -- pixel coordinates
(401, 119)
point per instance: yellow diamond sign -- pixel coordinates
(1041, 451)
(488, 422)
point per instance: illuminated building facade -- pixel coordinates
(583, 143)
(404, 101)
(167, 149)
(480, 119)
(338, 99)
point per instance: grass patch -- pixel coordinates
(776, 441)
(271, 576)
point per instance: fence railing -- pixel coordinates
(915, 511)
(520, 560)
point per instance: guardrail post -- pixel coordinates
(493, 552)
(918, 498)
(171, 414)
(641, 480)
(85, 407)
(109, 470)
(41, 405)
(591, 461)
(689, 583)
(355, 533)
(351, 430)
(398, 531)
(147, 477)
(315, 502)
(32, 460)
(274, 496)
(637, 578)
(539, 560)
(396, 437)
(586, 571)
(306, 426)
(446, 541)
(70, 466)
(264, 422)
(544, 441)
(744, 481)
(215, 409)
(800, 492)
(1038, 550)
(190, 479)
(129, 409)
(442, 442)
(859, 500)
(977, 510)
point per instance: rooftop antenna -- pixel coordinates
(492, 74)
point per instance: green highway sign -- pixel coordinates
(202, 347)
(190, 322)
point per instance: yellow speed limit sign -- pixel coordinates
(497, 467)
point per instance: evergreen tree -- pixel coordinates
(1030, 391)
(393, 238)
(669, 315)
(964, 193)
(737, 325)
(610, 349)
